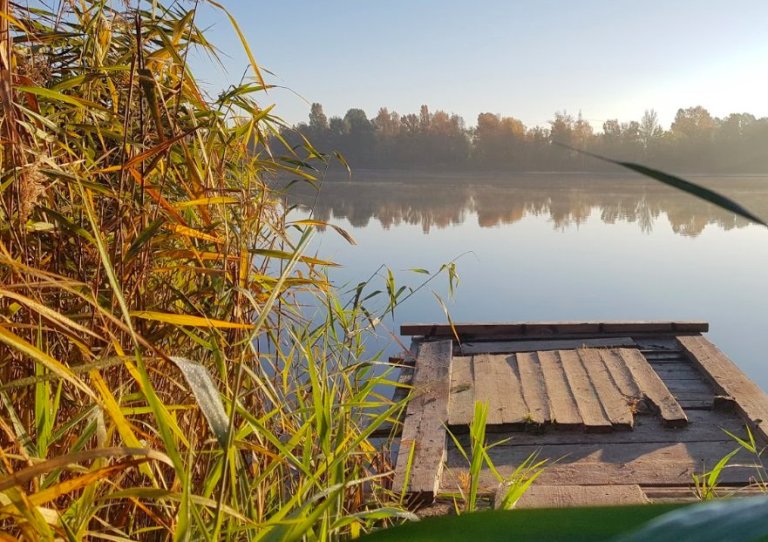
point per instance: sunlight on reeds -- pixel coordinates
(159, 376)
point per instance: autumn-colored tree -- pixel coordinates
(696, 141)
(694, 123)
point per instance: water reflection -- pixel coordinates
(567, 200)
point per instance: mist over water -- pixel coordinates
(556, 247)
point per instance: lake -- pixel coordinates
(555, 247)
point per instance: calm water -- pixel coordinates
(558, 247)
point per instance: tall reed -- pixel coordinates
(159, 377)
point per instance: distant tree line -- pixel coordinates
(695, 142)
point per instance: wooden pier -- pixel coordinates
(625, 412)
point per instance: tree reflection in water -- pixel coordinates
(440, 200)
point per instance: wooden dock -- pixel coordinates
(625, 412)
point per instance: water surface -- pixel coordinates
(558, 247)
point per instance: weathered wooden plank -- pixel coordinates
(497, 347)
(424, 426)
(514, 409)
(683, 370)
(461, 405)
(486, 386)
(658, 356)
(728, 379)
(686, 493)
(629, 327)
(653, 387)
(549, 329)
(695, 404)
(659, 343)
(498, 384)
(552, 496)
(534, 390)
(677, 387)
(643, 464)
(621, 375)
(404, 380)
(590, 409)
(562, 405)
(708, 398)
(704, 426)
(617, 407)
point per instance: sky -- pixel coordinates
(523, 58)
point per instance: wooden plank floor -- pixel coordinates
(596, 388)
(670, 390)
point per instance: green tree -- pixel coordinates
(358, 140)
(317, 120)
(650, 130)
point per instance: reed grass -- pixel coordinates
(160, 377)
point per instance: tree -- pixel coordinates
(318, 122)
(386, 124)
(358, 141)
(649, 128)
(561, 128)
(356, 122)
(424, 118)
(692, 133)
(612, 130)
(336, 126)
(694, 123)
(582, 132)
(387, 130)
(499, 140)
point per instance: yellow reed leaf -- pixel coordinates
(188, 320)
(190, 232)
(206, 201)
(55, 366)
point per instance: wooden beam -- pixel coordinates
(509, 347)
(562, 406)
(653, 388)
(587, 401)
(621, 375)
(617, 407)
(497, 382)
(704, 426)
(566, 496)
(461, 404)
(611, 464)
(729, 380)
(423, 436)
(533, 388)
(552, 329)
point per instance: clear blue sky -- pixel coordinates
(524, 58)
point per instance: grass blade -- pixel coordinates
(681, 184)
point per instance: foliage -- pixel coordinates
(160, 375)
(511, 487)
(706, 485)
(695, 141)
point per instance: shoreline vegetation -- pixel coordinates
(160, 374)
(695, 142)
